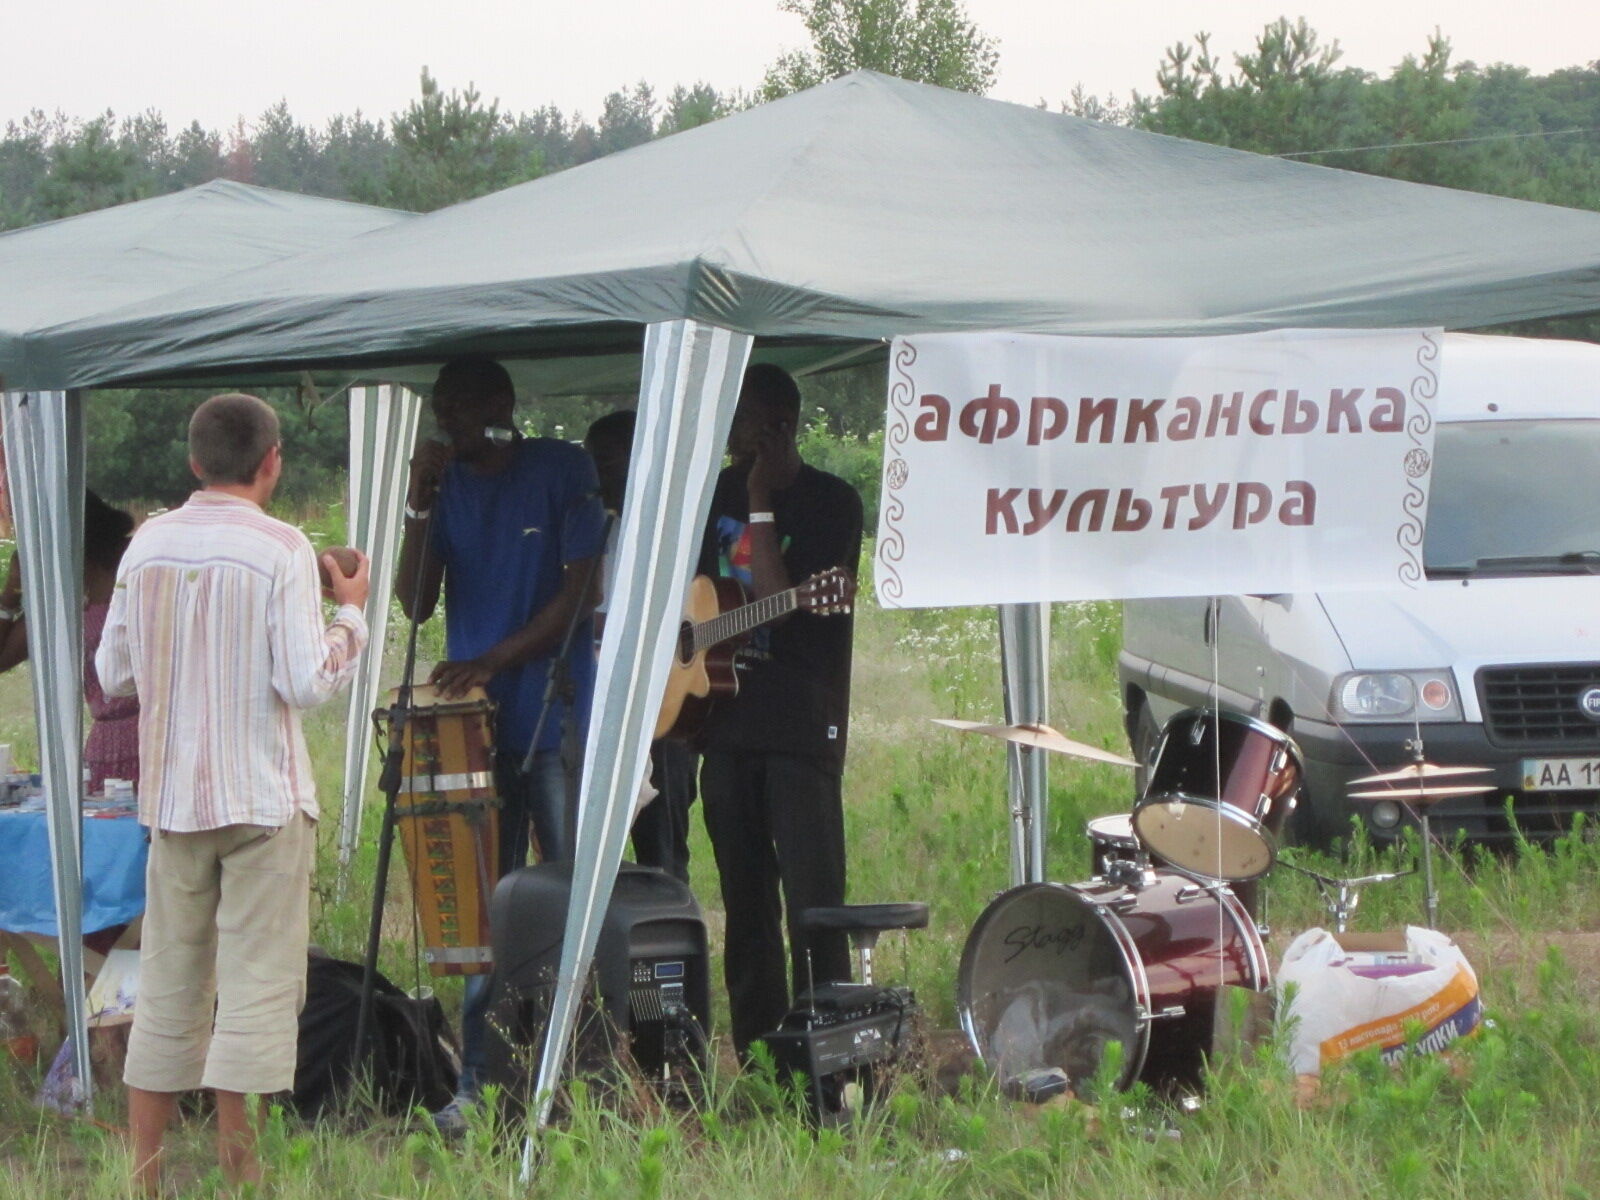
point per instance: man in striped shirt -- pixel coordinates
(216, 625)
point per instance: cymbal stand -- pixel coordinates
(1342, 896)
(1430, 893)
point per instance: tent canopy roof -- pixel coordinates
(865, 208)
(80, 267)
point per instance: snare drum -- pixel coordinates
(447, 814)
(1220, 790)
(1052, 973)
(1112, 842)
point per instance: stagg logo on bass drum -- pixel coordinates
(1589, 703)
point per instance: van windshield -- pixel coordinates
(1514, 498)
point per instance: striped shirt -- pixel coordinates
(216, 624)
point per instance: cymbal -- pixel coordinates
(1422, 794)
(1040, 737)
(1412, 772)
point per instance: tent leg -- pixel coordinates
(688, 388)
(45, 462)
(1024, 670)
(383, 424)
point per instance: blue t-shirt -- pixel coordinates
(505, 540)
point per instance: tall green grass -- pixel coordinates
(1512, 1114)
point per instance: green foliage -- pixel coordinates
(1490, 129)
(92, 169)
(138, 445)
(928, 41)
(688, 108)
(858, 461)
(450, 147)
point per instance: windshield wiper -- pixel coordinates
(1573, 562)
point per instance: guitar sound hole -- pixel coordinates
(685, 643)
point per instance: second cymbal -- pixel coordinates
(1040, 737)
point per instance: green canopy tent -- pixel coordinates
(73, 269)
(832, 220)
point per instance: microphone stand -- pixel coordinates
(559, 683)
(389, 781)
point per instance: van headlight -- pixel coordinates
(1396, 696)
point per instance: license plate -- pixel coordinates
(1560, 774)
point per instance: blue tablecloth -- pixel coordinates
(114, 852)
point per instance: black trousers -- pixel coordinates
(661, 831)
(777, 824)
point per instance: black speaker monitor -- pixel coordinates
(651, 969)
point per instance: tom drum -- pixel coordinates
(1220, 790)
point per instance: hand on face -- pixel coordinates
(771, 445)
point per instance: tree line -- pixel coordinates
(1494, 128)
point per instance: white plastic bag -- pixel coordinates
(1352, 991)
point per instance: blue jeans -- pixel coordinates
(539, 799)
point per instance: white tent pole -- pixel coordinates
(1025, 676)
(687, 392)
(44, 460)
(383, 422)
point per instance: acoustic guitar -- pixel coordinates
(718, 619)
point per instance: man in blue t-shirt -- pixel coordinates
(509, 526)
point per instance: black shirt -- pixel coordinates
(794, 677)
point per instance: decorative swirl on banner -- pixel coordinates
(891, 539)
(1416, 463)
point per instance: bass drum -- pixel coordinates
(1052, 973)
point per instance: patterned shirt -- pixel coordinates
(216, 625)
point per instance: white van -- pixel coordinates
(1493, 661)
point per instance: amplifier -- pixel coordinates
(650, 967)
(839, 1036)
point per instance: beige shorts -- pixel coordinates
(222, 972)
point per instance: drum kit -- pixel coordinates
(1140, 953)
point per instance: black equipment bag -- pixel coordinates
(413, 1061)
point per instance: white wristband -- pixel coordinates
(10, 614)
(761, 518)
(413, 515)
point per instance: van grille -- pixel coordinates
(1539, 704)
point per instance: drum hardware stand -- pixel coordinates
(1341, 896)
(1410, 787)
(389, 783)
(1430, 893)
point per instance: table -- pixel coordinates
(114, 853)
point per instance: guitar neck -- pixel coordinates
(743, 619)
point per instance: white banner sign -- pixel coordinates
(1020, 467)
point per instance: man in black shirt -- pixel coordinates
(774, 753)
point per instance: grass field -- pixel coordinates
(1512, 1113)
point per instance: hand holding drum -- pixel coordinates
(344, 572)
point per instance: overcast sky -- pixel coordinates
(199, 59)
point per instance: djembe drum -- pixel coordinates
(447, 813)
